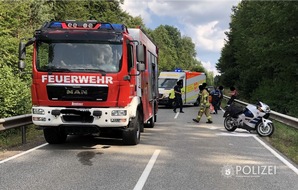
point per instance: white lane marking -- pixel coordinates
(147, 170)
(234, 134)
(214, 128)
(23, 153)
(291, 166)
(176, 115)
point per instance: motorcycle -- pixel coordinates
(251, 118)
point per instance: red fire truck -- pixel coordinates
(92, 78)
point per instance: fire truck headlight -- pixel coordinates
(38, 118)
(38, 111)
(119, 113)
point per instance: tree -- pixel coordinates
(260, 56)
(167, 53)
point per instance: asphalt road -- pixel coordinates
(177, 154)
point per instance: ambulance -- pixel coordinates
(191, 81)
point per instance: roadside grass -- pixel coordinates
(13, 137)
(285, 140)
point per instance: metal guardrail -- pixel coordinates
(285, 119)
(24, 120)
(16, 122)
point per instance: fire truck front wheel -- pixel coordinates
(55, 135)
(131, 135)
(150, 123)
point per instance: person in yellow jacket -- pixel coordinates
(204, 106)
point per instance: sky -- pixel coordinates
(205, 21)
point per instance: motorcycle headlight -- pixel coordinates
(267, 109)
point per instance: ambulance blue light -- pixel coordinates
(178, 70)
(56, 25)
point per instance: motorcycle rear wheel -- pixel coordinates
(265, 131)
(230, 124)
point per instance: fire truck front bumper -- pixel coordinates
(101, 117)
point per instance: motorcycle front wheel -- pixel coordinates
(265, 131)
(230, 124)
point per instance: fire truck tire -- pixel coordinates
(155, 111)
(55, 135)
(150, 123)
(142, 125)
(131, 135)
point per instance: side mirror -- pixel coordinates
(140, 53)
(141, 67)
(22, 55)
(21, 64)
(22, 50)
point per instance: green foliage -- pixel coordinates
(287, 97)
(13, 137)
(176, 51)
(285, 140)
(104, 11)
(260, 56)
(14, 94)
(15, 91)
(168, 57)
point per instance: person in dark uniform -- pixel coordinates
(233, 94)
(178, 96)
(221, 97)
(215, 99)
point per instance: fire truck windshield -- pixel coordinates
(78, 57)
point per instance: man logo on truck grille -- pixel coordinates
(77, 92)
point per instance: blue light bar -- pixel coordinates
(178, 70)
(86, 25)
(56, 25)
(117, 27)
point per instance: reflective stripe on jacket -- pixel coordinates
(172, 94)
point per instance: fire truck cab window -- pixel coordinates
(81, 57)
